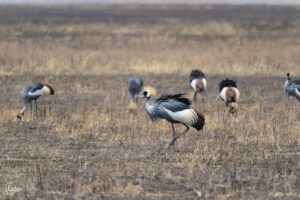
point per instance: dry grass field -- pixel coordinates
(86, 145)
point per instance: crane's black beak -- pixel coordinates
(142, 97)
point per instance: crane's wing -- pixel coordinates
(173, 102)
(297, 90)
(295, 86)
(296, 83)
(33, 90)
(135, 84)
(163, 105)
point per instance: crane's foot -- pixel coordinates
(172, 144)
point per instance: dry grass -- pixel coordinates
(256, 46)
(89, 146)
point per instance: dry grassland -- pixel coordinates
(86, 145)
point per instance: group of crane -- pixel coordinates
(175, 108)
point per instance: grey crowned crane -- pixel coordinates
(197, 82)
(135, 86)
(292, 88)
(230, 94)
(174, 108)
(31, 93)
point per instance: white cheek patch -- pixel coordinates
(223, 93)
(45, 90)
(193, 85)
(204, 83)
(188, 116)
(237, 93)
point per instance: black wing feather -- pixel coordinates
(174, 102)
(296, 82)
(227, 83)
(35, 86)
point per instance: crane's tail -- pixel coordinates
(48, 90)
(200, 121)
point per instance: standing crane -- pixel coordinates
(230, 94)
(292, 88)
(197, 82)
(31, 93)
(174, 108)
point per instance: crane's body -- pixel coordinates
(135, 85)
(174, 108)
(292, 88)
(230, 94)
(32, 92)
(197, 82)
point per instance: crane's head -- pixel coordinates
(288, 76)
(150, 90)
(20, 116)
(146, 95)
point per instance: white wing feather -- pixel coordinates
(188, 116)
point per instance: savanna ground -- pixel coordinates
(88, 146)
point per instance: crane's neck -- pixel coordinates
(131, 99)
(150, 109)
(24, 107)
(287, 82)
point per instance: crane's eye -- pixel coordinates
(145, 93)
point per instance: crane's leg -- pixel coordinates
(176, 137)
(204, 95)
(44, 107)
(30, 110)
(298, 98)
(195, 97)
(186, 130)
(36, 109)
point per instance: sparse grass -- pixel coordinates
(89, 146)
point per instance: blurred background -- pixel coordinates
(236, 38)
(279, 2)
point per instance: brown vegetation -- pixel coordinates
(87, 145)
